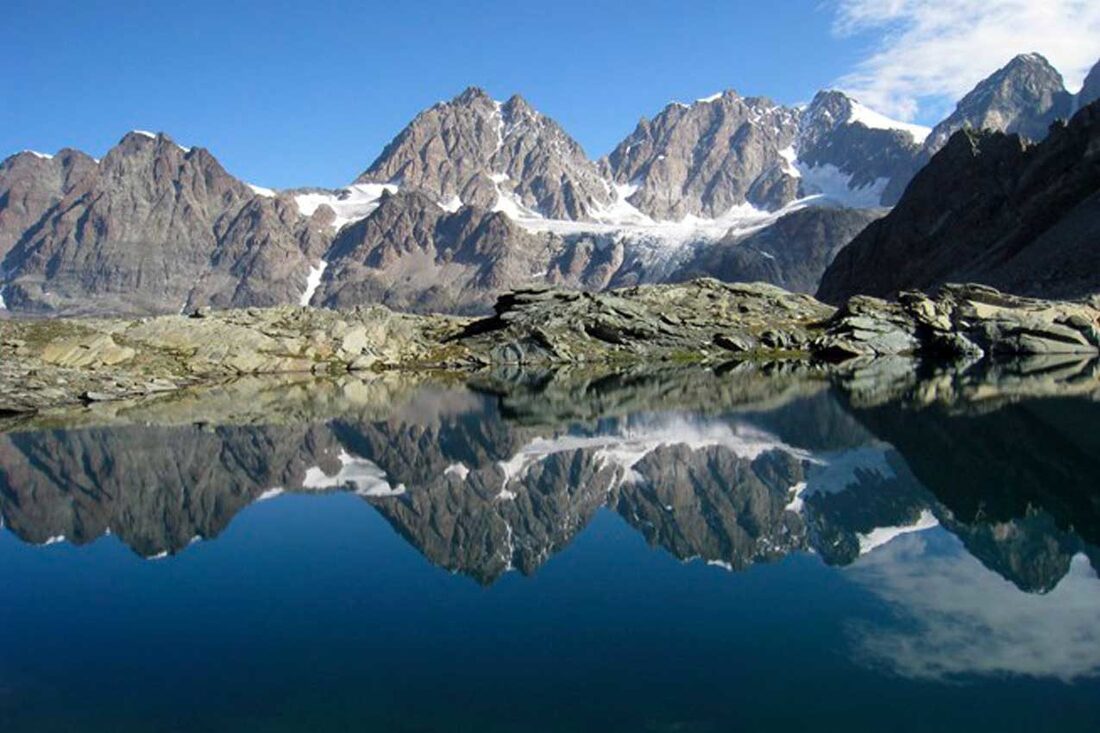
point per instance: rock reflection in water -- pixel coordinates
(732, 467)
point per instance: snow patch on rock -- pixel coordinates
(882, 535)
(313, 281)
(869, 118)
(353, 203)
(363, 475)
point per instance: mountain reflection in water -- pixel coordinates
(974, 523)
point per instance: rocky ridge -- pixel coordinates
(1021, 217)
(65, 361)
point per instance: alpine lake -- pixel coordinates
(743, 548)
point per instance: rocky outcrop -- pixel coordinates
(481, 152)
(989, 208)
(963, 321)
(701, 320)
(60, 361)
(792, 253)
(1023, 97)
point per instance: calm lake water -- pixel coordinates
(695, 551)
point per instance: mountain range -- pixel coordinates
(475, 197)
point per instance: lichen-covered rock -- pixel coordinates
(967, 321)
(45, 363)
(701, 320)
(52, 362)
(868, 326)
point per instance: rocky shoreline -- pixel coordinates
(49, 363)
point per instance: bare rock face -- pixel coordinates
(31, 184)
(1090, 90)
(480, 151)
(264, 252)
(1025, 97)
(410, 254)
(873, 161)
(992, 209)
(156, 228)
(791, 253)
(705, 158)
(730, 150)
(140, 232)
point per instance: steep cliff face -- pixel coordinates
(1023, 97)
(411, 254)
(706, 157)
(716, 154)
(265, 252)
(853, 155)
(793, 253)
(138, 231)
(138, 234)
(989, 208)
(33, 183)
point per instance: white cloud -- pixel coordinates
(929, 53)
(953, 617)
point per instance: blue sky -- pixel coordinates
(307, 93)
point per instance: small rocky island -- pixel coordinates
(48, 363)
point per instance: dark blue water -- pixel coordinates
(677, 588)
